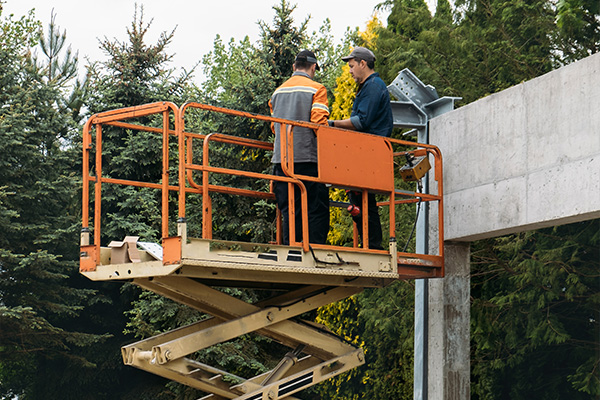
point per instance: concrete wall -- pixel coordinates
(525, 158)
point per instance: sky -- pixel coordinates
(197, 22)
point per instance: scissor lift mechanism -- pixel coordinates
(307, 277)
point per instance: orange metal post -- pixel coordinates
(206, 201)
(179, 125)
(87, 258)
(285, 136)
(187, 165)
(165, 176)
(365, 219)
(86, 176)
(98, 190)
(392, 208)
(286, 140)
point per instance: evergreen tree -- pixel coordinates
(578, 28)
(135, 74)
(43, 347)
(534, 319)
(53, 69)
(243, 76)
(281, 43)
(478, 48)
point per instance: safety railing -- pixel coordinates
(346, 159)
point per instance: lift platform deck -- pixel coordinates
(306, 276)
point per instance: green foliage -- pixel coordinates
(578, 28)
(243, 76)
(43, 348)
(135, 73)
(380, 321)
(344, 94)
(329, 55)
(281, 43)
(478, 48)
(55, 70)
(152, 314)
(534, 317)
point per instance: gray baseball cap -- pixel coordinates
(361, 53)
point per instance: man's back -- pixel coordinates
(301, 99)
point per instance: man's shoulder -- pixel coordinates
(375, 80)
(306, 81)
(375, 86)
(287, 82)
(299, 81)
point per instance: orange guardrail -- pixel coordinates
(346, 159)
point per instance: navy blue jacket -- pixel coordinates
(372, 112)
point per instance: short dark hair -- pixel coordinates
(302, 64)
(370, 63)
(305, 59)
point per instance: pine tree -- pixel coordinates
(578, 28)
(41, 298)
(478, 48)
(55, 70)
(535, 321)
(135, 73)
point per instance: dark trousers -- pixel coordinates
(375, 235)
(318, 204)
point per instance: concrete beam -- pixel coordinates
(525, 158)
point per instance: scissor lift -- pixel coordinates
(307, 276)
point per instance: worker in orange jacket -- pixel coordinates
(300, 98)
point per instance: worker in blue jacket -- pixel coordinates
(371, 113)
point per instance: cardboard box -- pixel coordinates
(125, 251)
